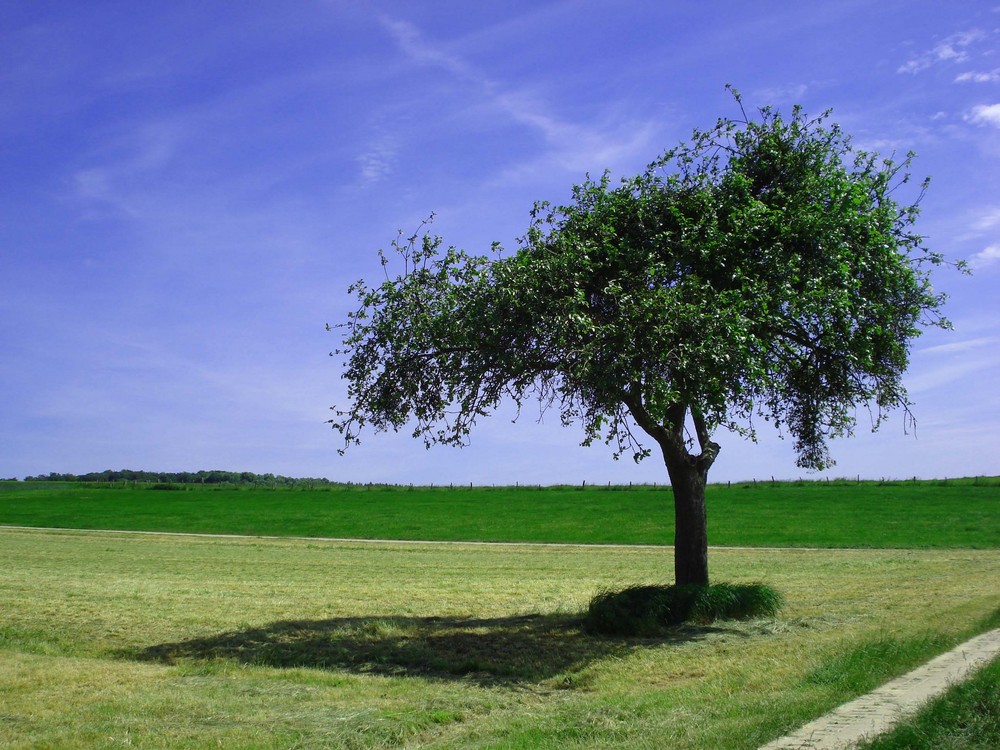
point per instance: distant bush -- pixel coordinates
(214, 477)
(648, 611)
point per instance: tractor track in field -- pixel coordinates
(362, 540)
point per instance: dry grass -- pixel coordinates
(155, 641)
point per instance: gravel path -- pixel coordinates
(877, 711)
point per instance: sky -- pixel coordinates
(188, 189)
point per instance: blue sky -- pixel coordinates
(189, 187)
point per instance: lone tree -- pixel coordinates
(762, 271)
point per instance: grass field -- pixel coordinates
(945, 514)
(129, 640)
(152, 641)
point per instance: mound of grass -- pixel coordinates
(647, 611)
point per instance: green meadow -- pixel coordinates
(949, 513)
(161, 641)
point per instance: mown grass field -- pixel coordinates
(946, 514)
(135, 640)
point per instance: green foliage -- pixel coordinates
(648, 611)
(764, 269)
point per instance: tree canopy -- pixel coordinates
(764, 270)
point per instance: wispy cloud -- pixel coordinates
(94, 184)
(986, 257)
(586, 150)
(571, 146)
(953, 49)
(379, 160)
(792, 93)
(135, 155)
(962, 346)
(971, 353)
(973, 76)
(948, 372)
(418, 49)
(985, 114)
(978, 223)
(987, 220)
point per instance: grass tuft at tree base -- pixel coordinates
(651, 610)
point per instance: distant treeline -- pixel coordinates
(182, 477)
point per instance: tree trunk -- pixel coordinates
(688, 480)
(688, 477)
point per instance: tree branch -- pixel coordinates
(709, 449)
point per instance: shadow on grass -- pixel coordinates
(528, 648)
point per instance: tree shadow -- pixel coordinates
(529, 648)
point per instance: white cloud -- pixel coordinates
(986, 257)
(985, 114)
(988, 220)
(413, 44)
(953, 49)
(978, 222)
(973, 76)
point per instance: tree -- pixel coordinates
(762, 271)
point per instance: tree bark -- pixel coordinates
(688, 477)
(688, 482)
